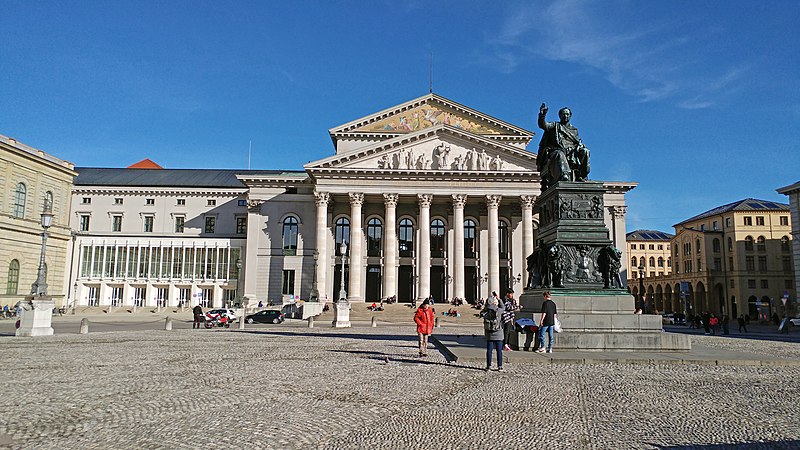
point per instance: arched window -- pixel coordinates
(633, 263)
(437, 238)
(748, 243)
(13, 277)
(470, 242)
(660, 262)
(290, 235)
(502, 239)
(785, 246)
(697, 245)
(48, 200)
(374, 237)
(641, 261)
(19, 200)
(716, 245)
(342, 233)
(652, 262)
(761, 244)
(406, 236)
(730, 244)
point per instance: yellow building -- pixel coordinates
(733, 260)
(648, 250)
(30, 178)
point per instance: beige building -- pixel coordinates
(430, 196)
(735, 259)
(30, 178)
(793, 191)
(650, 250)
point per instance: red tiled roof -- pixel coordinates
(145, 164)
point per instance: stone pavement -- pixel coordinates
(276, 386)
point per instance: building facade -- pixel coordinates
(734, 260)
(30, 179)
(431, 198)
(650, 250)
(793, 191)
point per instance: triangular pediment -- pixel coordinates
(442, 148)
(430, 111)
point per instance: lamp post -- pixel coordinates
(341, 310)
(38, 310)
(314, 296)
(238, 281)
(641, 287)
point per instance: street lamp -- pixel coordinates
(39, 287)
(314, 296)
(342, 291)
(238, 281)
(641, 287)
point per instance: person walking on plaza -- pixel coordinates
(509, 308)
(198, 316)
(424, 319)
(493, 330)
(547, 322)
(742, 323)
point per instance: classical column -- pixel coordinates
(526, 201)
(493, 204)
(390, 246)
(459, 200)
(424, 257)
(321, 199)
(356, 247)
(255, 224)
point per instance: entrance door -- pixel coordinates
(405, 283)
(471, 284)
(373, 284)
(437, 284)
(504, 282)
(91, 296)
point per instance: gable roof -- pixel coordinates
(146, 163)
(648, 235)
(380, 123)
(748, 204)
(220, 178)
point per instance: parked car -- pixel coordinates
(795, 321)
(266, 316)
(673, 319)
(220, 311)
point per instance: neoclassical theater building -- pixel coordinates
(430, 197)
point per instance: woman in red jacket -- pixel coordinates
(424, 320)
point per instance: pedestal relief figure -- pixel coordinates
(562, 155)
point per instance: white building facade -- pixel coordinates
(430, 197)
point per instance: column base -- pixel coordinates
(341, 314)
(37, 321)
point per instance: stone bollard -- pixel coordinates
(84, 326)
(241, 323)
(436, 323)
(168, 324)
(310, 321)
(374, 322)
(134, 309)
(158, 309)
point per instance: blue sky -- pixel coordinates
(698, 102)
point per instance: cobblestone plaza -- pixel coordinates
(292, 387)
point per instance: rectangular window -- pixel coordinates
(84, 225)
(116, 223)
(241, 225)
(210, 223)
(787, 264)
(730, 263)
(660, 246)
(732, 284)
(748, 221)
(751, 284)
(181, 202)
(699, 265)
(148, 224)
(651, 247)
(211, 202)
(727, 222)
(762, 263)
(149, 201)
(242, 203)
(784, 221)
(764, 284)
(714, 225)
(760, 220)
(641, 246)
(702, 227)
(633, 246)
(179, 221)
(122, 256)
(117, 201)
(750, 264)
(718, 264)
(288, 282)
(86, 201)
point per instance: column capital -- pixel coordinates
(356, 198)
(321, 198)
(526, 201)
(618, 211)
(390, 199)
(425, 200)
(493, 201)
(254, 206)
(459, 200)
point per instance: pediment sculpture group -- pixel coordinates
(439, 159)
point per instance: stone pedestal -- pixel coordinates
(341, 314)
(311, 309)
(37, 320)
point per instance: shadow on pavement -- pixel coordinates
(791, 444)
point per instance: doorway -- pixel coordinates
(437, 284)
(373, 293)
(405, 283)
(471, 284)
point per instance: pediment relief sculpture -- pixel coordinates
(443, 157)
(428, 115)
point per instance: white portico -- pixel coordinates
(432, 198)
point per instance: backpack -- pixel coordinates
(491, 322)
